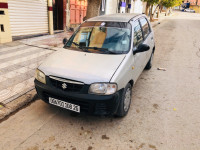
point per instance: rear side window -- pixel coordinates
(138, 38)
(145, 27)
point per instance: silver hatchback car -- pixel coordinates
(98, 66)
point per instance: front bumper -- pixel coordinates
(89, 103)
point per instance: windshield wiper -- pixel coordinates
(101, 49)
(82, 48)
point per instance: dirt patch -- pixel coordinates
(33, 148)
(141, 146)
(152, 147)
(90, 148)
(104, 137)
(50, 139)
(59, 147)
(155, 106)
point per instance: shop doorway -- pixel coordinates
(59, 14)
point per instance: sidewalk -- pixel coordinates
(158, 20)
(18, 61)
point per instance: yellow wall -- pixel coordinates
(4, 20)
(196, 8)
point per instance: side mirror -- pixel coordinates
(141, 48)
(65, 41)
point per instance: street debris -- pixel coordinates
(104, 137)
(163, 69)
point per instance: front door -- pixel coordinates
(139, 58)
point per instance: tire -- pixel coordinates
(149, 64)
(125, 101)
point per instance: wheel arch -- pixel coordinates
(131, 83)
(154, 48)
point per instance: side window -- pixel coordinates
(145, 27)
(138, 38)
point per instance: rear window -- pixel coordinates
(145, 27)
(138, 38)
(125, 25)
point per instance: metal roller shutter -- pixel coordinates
(28, 17)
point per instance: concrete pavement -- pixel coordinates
(164, 113)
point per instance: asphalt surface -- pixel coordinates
(164, 113)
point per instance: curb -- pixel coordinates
(155, 24)
(17, 104)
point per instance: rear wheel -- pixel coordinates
(125, 101)
(149, 64)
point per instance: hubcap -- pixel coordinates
(127, 99)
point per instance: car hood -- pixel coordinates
(81, 66)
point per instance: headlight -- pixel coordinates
(40, 76)
(103, 88)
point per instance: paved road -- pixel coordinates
(164, 113)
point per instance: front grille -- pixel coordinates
(66, 85)
(83, 105)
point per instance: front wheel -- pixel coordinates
(125, 101)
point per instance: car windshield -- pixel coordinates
(101, 37)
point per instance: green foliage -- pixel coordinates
(171, 3)
(166, 3)
(151, 2)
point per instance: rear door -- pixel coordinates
(148, 37)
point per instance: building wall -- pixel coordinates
(68, 14)
(144, 7)
(111, 6)
(193, 2)
(137, 6)
(5, 31)
(5, 20)
(196, 8)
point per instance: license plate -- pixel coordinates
(65, 105)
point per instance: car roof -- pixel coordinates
(120, 17)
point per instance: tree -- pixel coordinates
(93, 8)
(160, 4)
(149, 7)
(170, 3)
